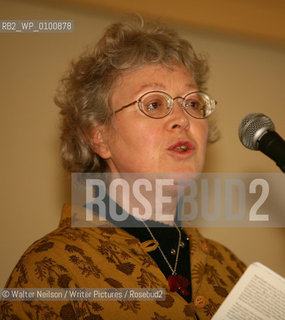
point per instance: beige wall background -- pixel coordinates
(247, 75)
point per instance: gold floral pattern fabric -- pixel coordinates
(111, 258)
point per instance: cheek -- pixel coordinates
(153, 135)
(200, 132)
(136, 135)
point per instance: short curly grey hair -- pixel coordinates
(84, 92)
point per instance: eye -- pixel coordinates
(194, 103)
(154, 103)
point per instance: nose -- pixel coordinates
(178, 118)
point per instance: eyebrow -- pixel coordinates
(158, 85)
(149, 86)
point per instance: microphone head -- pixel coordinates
(252, 128)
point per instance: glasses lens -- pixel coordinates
(199, 105)
(155, 104)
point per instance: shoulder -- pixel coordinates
(61, 258)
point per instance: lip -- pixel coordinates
(187, 143)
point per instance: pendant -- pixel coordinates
(178, 283)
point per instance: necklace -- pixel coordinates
(175, 282)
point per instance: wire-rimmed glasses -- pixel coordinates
(158, 104)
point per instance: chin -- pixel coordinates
(192, 169)
(180, 173)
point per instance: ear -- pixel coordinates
(100, 142)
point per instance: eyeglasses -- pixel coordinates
(159, 104)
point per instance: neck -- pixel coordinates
(146, 198)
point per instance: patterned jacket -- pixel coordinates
(112, 258)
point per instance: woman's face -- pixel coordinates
(137, 143)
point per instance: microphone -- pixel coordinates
(257, 132)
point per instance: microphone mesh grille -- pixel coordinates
(252, 127)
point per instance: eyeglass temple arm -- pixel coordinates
(124, 107)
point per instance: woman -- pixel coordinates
(134, 104)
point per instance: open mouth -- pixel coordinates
(182, 147)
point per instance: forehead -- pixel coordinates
(175, 80)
